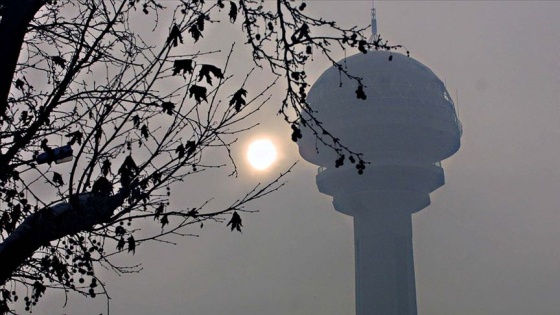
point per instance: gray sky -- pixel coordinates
(488, 244)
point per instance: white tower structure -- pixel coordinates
(404, 128)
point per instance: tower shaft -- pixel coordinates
(381, 203)
(385, 281)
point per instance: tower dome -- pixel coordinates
(408, 111)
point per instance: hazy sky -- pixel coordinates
(488, 244)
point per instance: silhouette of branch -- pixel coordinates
(136, 115)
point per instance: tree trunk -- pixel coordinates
(16, 16)
(52, 223)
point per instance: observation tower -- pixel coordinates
(405, 128)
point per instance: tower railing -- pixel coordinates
(321, 169)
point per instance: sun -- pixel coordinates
(261, 154)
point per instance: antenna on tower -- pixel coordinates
(373, 23)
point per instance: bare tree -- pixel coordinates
(80, 84)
